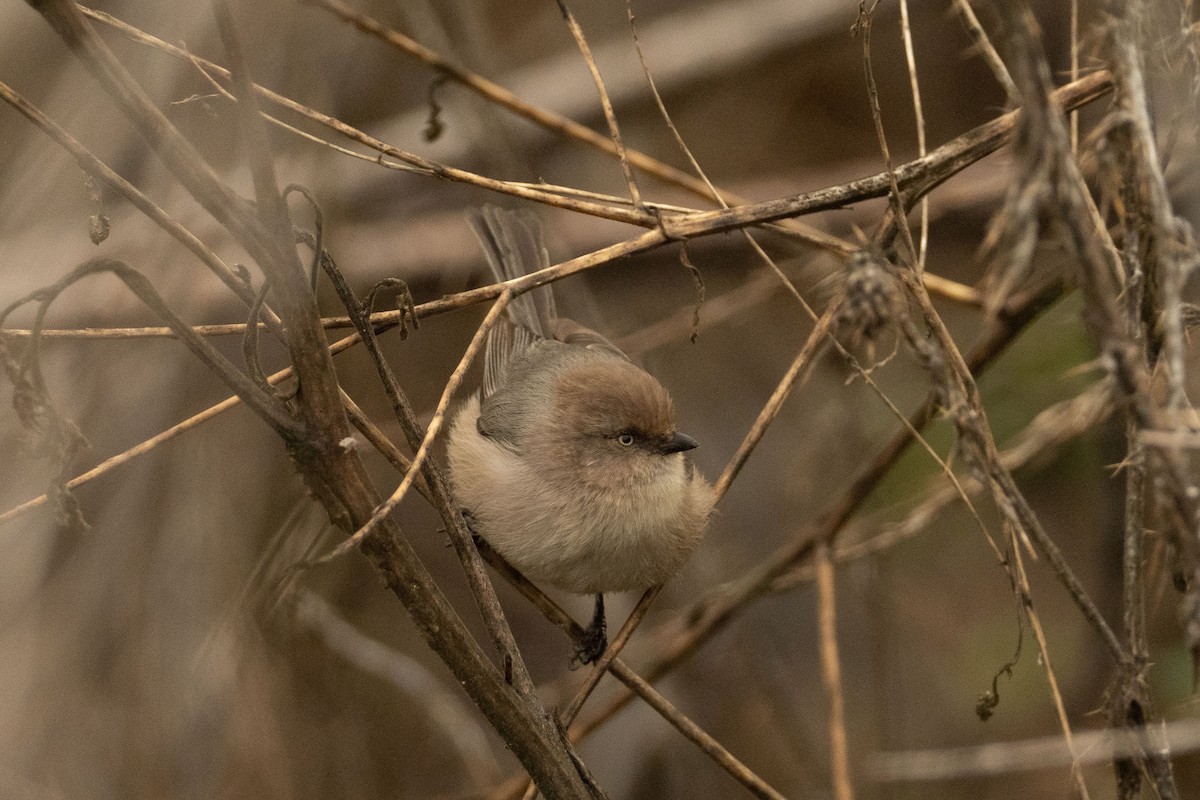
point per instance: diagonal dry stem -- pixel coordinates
(798, 370)
(610, 116)
(910, 60)
(1039, 635)
(636, 684)
(990, 55)
(97, 168)
(460, 535)
(435, 426)
(1048, 431)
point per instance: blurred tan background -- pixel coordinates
(156, 656)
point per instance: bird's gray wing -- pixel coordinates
(571, 332)
(512, 244)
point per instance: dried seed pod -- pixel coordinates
(871, 298)
(98, 227)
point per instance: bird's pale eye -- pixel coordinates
(625, 439)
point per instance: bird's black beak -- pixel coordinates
(677, 443)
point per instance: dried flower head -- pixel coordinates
(871, 298)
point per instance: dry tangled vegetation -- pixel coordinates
(985, 392)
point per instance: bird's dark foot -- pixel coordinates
(589, 649)
(595, 638)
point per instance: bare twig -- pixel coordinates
(1035, 622)
(637, 685)
(1075, 72)
(831, 671)
(1048, 431)
(796, 372)
(435, 426)
(612, 651)
(603, 663)
(557, 123)
(646, 339)
(910, 59)
(990, 55)
(712, 190)
(610, 116)
(95, 167)
(385, 446)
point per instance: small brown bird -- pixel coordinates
(568, 460)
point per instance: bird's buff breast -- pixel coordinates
(576, 538)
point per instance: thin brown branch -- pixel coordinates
(612, 651)
(712, 190)
(990, 54)
(269, 203)
(435, 425)
(1075, 72)
(915, 178)
(1035, 622)
(564, 126)
(799, 368)
(637, 685)
(862, 27)
(910, 59)
(831, 671)
(1049, 430)
(602, 664)
(646, 339)
(137, 450)
(610, 116)
(385, 446)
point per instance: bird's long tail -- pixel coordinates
(512, 243)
